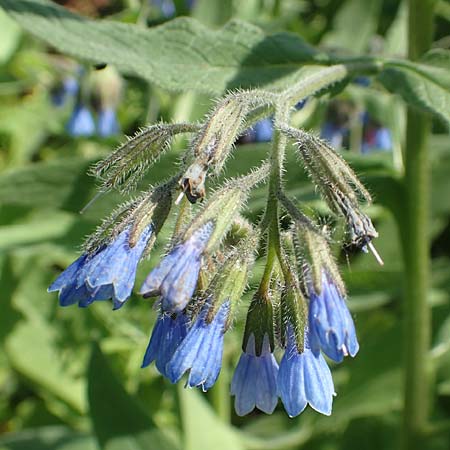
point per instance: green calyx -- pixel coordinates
(260, 322)
(293, 311)
(224, 206)
(312, 251)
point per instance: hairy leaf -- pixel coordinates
(179, 55)
(424, 84)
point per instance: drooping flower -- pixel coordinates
(107, 124)
(109, 273)
(67, 87)
(254, 381)
(81, 122)
(331, 326)
(175, 278)
(201, 350)
(168, 333)
(334, 134)
(304, 378)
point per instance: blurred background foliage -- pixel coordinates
(70, 378)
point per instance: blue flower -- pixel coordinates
(167, 7)
(107, 124)
(68, 87)
(331, 326)
(383, 140)
(108, 273)
(304, 378)
(255, 380)
(167, 335)
(81, 123)
(263, 130)
(201, 350)
(334, 134)
(175, 278)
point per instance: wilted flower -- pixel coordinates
(175, 278)
(167, 334)
(107, 273)
(255, 379)
(331, 325)
(304, 377)
(81, 122)
(201, 350)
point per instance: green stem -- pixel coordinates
(416, 246)
(220, 395)
(323, 78)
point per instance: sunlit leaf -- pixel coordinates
(179, 55)
(424, 84)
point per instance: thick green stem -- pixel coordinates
(416, 246)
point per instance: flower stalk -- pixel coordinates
(416, 246)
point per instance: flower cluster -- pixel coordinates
(95, 99)
(299, 306)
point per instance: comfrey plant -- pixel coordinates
(299, 305)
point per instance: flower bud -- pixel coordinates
(213, 144)
(125, 167)
(224, 205)
(338, 184)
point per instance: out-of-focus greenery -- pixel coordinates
(70, 378)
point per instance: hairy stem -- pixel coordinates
(416, 246)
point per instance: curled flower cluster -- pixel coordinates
(300, 304)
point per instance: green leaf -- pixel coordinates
(47, 438)
(202, 428)
(119, 421)
(31, 351)
(43, 227)
(424, 84)
(9, 37)
(365, 14)
(54, 184)
(9, 316)
(178, 55)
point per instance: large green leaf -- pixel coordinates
(9, 37)
(342, 35)
(31, 350)
(179, 55)
(119, 421)
(61, 183)
(203, 430)
(424, 84)
(47, 438)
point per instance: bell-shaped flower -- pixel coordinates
(168, 333)
(109, 273)
(107, 124)
(81, 122)
(331, 326)
(254, 382)
(201, 350)
(175, 278)
(304, 378)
